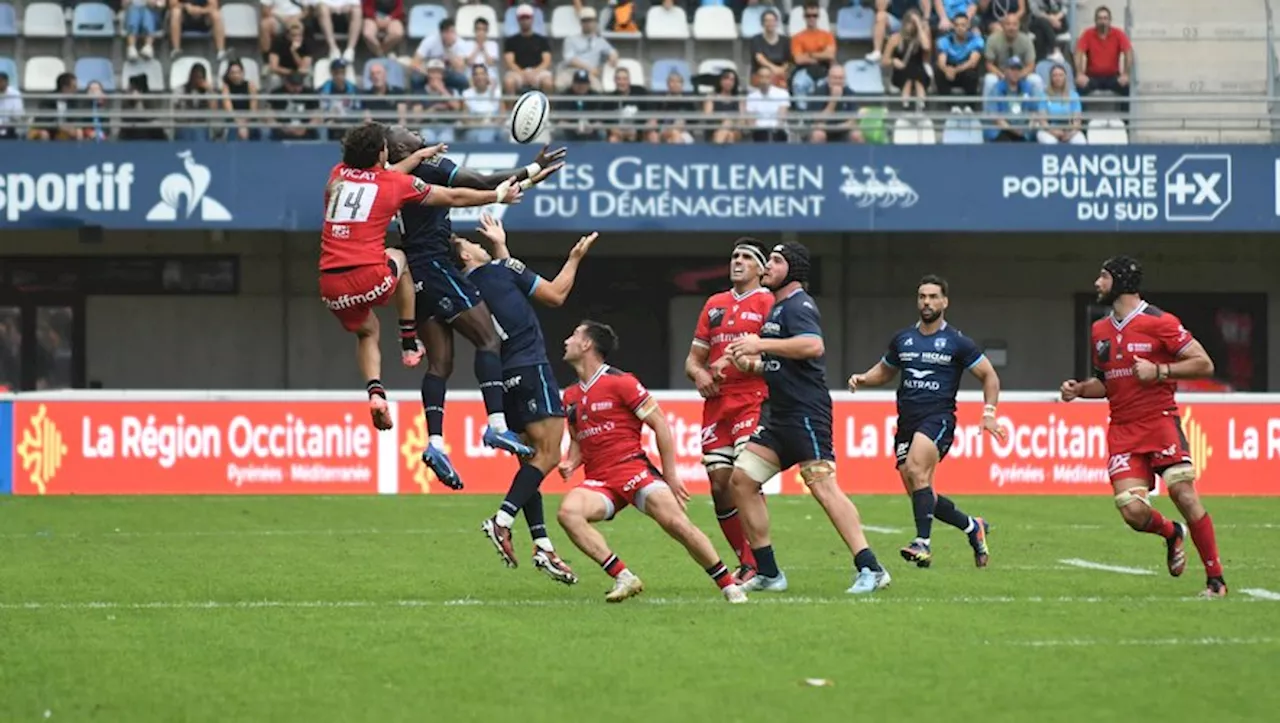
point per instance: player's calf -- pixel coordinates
(411, 349)
(719, 464)
(820, 477)
(661, 505)
(1181, 481)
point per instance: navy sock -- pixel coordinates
(866, 558)
(922, 503)
(488, 368)
(947, 512)
(433, 391)
(523, 488)
(535, 515)
(765, 564)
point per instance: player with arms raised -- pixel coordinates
(531, 396)
(732, 409)
(795, 424)
(607, 409)
(357, 270)
(932, 356)
(1138, 352)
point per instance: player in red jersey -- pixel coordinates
(732, 410)
(607, 410)
(1138, 352)
(357, 270)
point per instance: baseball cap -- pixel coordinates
(338, 64)
(435, 64)
(587, 14)
(581, 76)
(524, 10)
(1014, 62)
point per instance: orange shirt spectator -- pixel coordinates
(813, 48)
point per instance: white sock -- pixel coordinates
(923, 540)
(544, 544)
(498, 422)
(971, 526)
(503, 519)
(437, 441)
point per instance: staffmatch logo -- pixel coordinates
(482, 163)
(870, 190)
(183, 196)
(41, 450)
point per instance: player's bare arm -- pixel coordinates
(1193, 363)
(491, 228)
(507, 192)
(572, 459)
(1091, 388)
(417, 158)
(877, 376)
(804, 346)
(554, 292)
(652, 415)
(696, 369)
(543, 167)
(986, 373)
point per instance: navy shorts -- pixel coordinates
(441, 289)
(941, 428)
(802, 439)
(530, 394)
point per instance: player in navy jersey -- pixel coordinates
(446, 300)
(933, 357)
(795, 423)
(531, 396)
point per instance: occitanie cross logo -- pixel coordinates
(42, 449)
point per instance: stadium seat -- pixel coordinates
(240, 20)
(1107, 132)
(466, 20)
(41, 74)
(714, 22)
(751, 25)
(150, 68)
(662, 23)
(914, 132)
(320, 72)
(8, 21)
(962, 130)
(1045, 66)
(251, 71)
(395, 72)
(664, 67)
(424, 20)
(864, 77)
(93, 20)
(564, 22)
(511, 25)
(713, 66)
(44, 20)
(10, 68)
(796, 23)
(855, 23)
(180, 70)
(88, 70)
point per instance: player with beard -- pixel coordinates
(933, 356)
(1138, 353)
(795, 424)
(732, 408)
(446, 300)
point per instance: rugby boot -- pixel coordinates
(918, 553)
(734, 594)
(625, 585)
(978, 541)
(507, 441)
(763, 583)
(1176, 554)
(501, 538)
(553, 567)
(439, 463)
(869, 580)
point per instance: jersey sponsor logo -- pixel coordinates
(920, 373)
(870, 190)
(635, 481)
(515, 265)
(939, 344)
(346, 301)
(100, 187)
(482, 163)
(592, 431)
(1103, 349)
(933, 357)
(344, 231)
(512, 382)
(601, 406)
(750, 316)
(1139, 347)
(715, 317)
(772, 365)
(909, 342)
(1118, 463)
(1120, 373)
(743, 425)
(188, 192)
(770, 327)
(925, 384)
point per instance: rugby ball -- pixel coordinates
(529, 116)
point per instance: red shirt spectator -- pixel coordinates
(1102, 47)
(383, 8)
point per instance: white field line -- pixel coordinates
(883, 530)
(1076, 562)
(1171, 642)
(1260, 594)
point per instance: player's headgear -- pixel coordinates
(797, 257)
(362, 146)
(753, 246)
(1126, 276)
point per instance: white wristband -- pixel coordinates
(501, 190)
(526, 184)
(989, 410)
(533, 169)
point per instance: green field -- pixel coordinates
(397, 609)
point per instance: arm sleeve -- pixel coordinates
(1172, 335)
(702, 332)
(890, 357)
(526, 279)
(969, 353)
(438, 171)
(803, 319)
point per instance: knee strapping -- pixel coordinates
(760, 470)
(1132, 495)
(719, 458)
(817, 471)
(1179, 474)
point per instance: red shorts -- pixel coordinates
(352, 293)
(628, 483)
(1141, 450)
(729, 418)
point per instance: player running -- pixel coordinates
(795, 424)
(357, 271)
(1138, 352)
(606, 409)
(732, 409)
(932, 356)
(531, 396)
(446, 300)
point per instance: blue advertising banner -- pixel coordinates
(7, 443)
(849, 188)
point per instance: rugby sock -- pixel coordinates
(433, 392)
(408, 335)
(922, 503)
(374, 387)
(535, 515)
(765, 564)
(720, 574)
(1163, 526)
(1207, 545)
(731, 526)
(525, 485)
(613, 565)
(488, 368)
(944, 509)
(866, 558)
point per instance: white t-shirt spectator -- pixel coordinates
(483, 104)
(432, 48)
(11, 111)
(284, 9)
(464, 48)
(767, 107)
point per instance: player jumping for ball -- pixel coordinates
(606, 410)
(732, 408)
(795, 426)
(1138, 352)
(357, 270)
(933, 356)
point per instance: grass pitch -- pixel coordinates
(397, 609)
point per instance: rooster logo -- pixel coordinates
(182, 196)
(871, 191)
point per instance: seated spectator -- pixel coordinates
(446, 47)
(193, 109)
(11, 110)
(991, 14)
(674, 127)
(97, 125)
(770, 49)
(336, 17)
(290, 53)
(483, 102)
(907, 56)
(383, 26)
(60, 119)
(482, 50)
(899, 10)
(381, 107)
(526, 57)
(580, 101)
(1017, 107)
(1048, 20)
(624, 18)
(813, 50)
(1063, 122)
(137, 121)
(724, 106)
(1104, 58)
(624, 128)
(339, 98)
(959, 53)
(276, 15)
(141, 18)
(944, 13)
(196, 16)
(295, 116)
(240, 101)
(836, 119)
(586, 51)
(441, 100)
(767, 108)
(1008, 42)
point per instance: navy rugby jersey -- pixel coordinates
(931, 367)
(425, 230)
(797, 387)
(506, 286)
